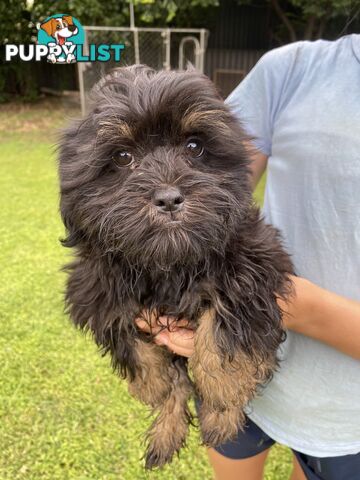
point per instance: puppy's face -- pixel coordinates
(157, 171)
(60, 28)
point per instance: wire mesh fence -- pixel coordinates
(160, 48)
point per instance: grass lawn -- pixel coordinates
(63, 413)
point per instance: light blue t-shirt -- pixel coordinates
(302, 103)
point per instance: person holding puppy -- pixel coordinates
(300, 103)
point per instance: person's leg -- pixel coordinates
(297, 472)
(225, 468)
(346, 467)
(242, 458)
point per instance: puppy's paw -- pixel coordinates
(162, 448)
(218, 427)
(155, 457)
(166, 436)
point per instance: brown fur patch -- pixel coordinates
(198, 120)
(168, 432)
(162, 383)
(152, 383)
(219, 426)
(123, 129)
(224, 387)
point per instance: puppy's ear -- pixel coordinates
(252, 319)
(49, 27)
(68, 19)
(75, 147)
(73, 235)
(96, 303)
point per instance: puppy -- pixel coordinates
(156, 200)
(61, 29)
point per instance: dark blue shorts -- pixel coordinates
(253, 441)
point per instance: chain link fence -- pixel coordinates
(160, 48)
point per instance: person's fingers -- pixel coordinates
(142, 325)
(147, 322)
(180, 341)
(153, 324)
(181, 344)
(176, 337)
(183, 352)
(172, 322)
(147, 328)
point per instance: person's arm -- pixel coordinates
(258, 163)
(312, 311)
(324, 316)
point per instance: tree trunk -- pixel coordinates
(321, 28)
(309, 30)
(281, 14)
(322, 24)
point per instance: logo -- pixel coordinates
(61, 39)
(61, 33)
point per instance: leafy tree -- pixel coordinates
(15, 19)
(18, 20)
(89, 12)
(298, 19)
(307, 19)
(115, 12)
(180, 13)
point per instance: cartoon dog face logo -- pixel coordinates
(60, 28)
(66, 33)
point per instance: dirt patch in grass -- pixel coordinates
(48, 114)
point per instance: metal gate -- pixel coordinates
(160, 48)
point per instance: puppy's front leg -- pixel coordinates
(224, 386)
(163, 384)
(152, 383)
(169, 430)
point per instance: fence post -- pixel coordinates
(81, 87)
(167, 42)
(136, 45)
(202, 49)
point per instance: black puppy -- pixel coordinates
(156, 199)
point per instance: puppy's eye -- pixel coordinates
(195, 147)
(123, 159)
(58, 27)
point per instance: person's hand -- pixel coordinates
(309, 310)
(170, 333)
(179, 339)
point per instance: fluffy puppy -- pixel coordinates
(156, 200)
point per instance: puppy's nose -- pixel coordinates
(72, 28)
(168, 199)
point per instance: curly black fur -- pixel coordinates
(220, 254)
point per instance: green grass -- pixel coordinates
(63, 414)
